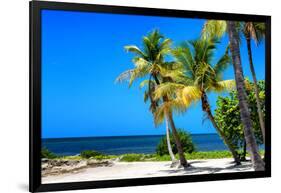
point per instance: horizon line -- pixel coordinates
(120, 136)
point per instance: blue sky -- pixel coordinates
(83, 53)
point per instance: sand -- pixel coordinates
(123, 170)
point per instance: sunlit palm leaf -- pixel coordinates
(124, 76)
(176, 106)
(136, 50)
(172, 74)
(146, 82)
(159, 115)
(213, 28)
(165, 89)
(225, 85)
(190, 94)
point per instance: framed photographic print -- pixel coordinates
(126, 96)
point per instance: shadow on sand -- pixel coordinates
(206, 169)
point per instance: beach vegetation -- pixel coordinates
(132, 157)
(185, 139)
(217, 28)
(149, 62)
(45, 153)
(190, 156)
(227, 115)
(256, 32)
(90, 154)
(258, 163)
(200, 76)
(188, 77)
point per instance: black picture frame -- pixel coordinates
(35, 184)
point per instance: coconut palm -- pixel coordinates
(257, 162)
(150, 61)
(250, 30)
(146, 97)
(200, 78)
(169, 142)
(255, 31)
(216, 28)
(165, 111)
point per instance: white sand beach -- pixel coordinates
(123, 170)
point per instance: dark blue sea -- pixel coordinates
(125, 144)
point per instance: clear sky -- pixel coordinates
(83, 53)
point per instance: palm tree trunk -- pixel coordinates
(206, 108)
(169, 142)
(183, 161)
(243, 156)
(154, 104)
(257, 162)
(169, 116)
(261, 119)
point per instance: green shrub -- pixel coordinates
(209, 155)
(185, 139)
(163, 157)
(227, 116)
(132, 157)
(45, 153)
(102, 157)
(90, 153)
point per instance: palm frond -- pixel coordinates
(159, 115)
(146, 83)
(173, 74)
(155, 36)
(134, 49)
(260, 31)
(124, 76)
(165, 45)
(248, 84)
(224, 85)
(255, 30)
(213, 28)
(142, 69)
(222, 63)
(145, 96)
(190, 94)
(183, 55)
(176, 106)
(166, 89)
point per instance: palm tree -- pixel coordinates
(250, 30)
(170, 103)
(257, 162)
(153, 107)
(200, 78)
(150, 61)
(216, 28)
(255, 31)
(169, 142)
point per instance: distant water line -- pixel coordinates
(125, 144)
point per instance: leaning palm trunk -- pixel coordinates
(153, 107)
(169, 117)
(169, 142)
(154, 104)
(206, 108)
(243, 155)
(183, 161)
(257, 162)
(261, 119)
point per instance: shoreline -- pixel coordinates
(125, 170)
